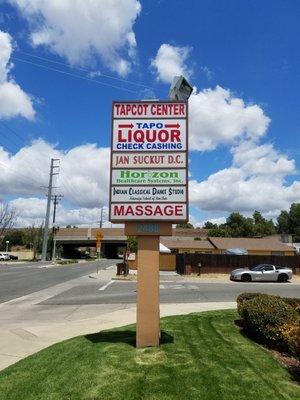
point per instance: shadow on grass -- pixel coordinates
(127, 337)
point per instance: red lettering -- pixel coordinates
(175, 135)
(178, 211)
(120, 136)
(118, 210)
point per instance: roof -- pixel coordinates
(175, 243)
(262, 244)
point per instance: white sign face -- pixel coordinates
(148, 160)
(149, 135)
(153, 211)
(148, 177)
(148, 180)
(139, 194)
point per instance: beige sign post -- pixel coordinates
(149, 191)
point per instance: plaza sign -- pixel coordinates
(149, 162)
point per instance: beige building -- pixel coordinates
(255, 246)
(189, 245)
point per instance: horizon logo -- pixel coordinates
(148, 174)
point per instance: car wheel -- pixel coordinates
(283, 278)
(246, 278)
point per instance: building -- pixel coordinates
(255, 246)
(182, 241)
(188, 245)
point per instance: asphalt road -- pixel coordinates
(118, 292)
(18, 280)
(23, 279)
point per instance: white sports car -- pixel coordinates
(262, 273)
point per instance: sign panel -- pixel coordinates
(139, 194)
(148, 177)
(153, 211)
(147, 135)
(149, 162)
(149, 109)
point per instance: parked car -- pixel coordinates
(262, 273)
(12, 257)
(4, 257)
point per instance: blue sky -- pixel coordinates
(249, 49)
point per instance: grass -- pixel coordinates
(203, 356)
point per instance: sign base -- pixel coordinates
(148, 315)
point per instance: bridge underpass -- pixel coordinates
(71, 243)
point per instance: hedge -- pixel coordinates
(271, 320)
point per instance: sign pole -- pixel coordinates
(148, 316)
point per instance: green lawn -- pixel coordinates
(203, 357)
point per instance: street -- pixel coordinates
(17, 280)
(21, 280)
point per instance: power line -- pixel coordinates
(12, 131)
(83, 69)
(74, 75)
(18, 173)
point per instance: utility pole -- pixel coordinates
(101, 218)
(56, 199)
(47, 217)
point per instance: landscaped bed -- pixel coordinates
(203, 356)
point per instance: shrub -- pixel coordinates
(244, 297)
(291, 338)
(293, 302)
(270, 319)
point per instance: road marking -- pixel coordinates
(106, 285)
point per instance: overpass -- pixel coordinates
(71, 239)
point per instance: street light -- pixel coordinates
(180, 89)
(7, 243)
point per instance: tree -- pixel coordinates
(295, 220)
(283, 222)
(239, 225)
(262, 226)
(15, 237)
(289, 221)
(33, 237)
(8, 217)
(133, 244)
(187, 225)
(219, 232)
(258, 218)
(210, 225)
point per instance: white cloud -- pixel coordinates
(83, 177)
(255, 181)
(5, 53)
(13, 100)
(217, 117)
(78, 30)
(171, 61)
(32, 210)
